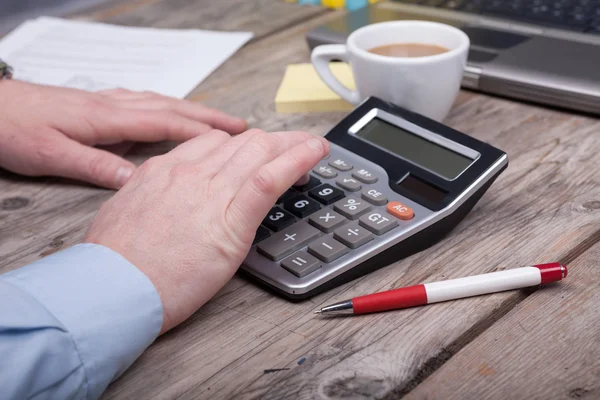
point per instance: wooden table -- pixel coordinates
(537, 344)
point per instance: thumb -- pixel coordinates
(96, 166)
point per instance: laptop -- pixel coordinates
(542, 51)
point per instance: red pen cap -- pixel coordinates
(552, 272)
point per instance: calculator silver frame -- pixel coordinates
(273, 274)
(417, 130)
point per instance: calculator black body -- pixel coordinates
(298, 253)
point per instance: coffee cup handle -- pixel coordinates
(321, 57)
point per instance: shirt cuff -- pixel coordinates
(110, 308)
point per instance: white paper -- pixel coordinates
(94, 56)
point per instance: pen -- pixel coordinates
(452, 289)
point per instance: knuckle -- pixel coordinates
(264, 143)
(47, 151)
(184, 170)
(94, 104)
(264, 182)
(220, 135)
(97, 167)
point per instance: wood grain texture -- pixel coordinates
(545, 207)
(553, 349)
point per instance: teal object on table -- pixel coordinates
(309, 1)
(356, 4)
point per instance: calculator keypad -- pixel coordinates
(301, 264)
(345, 206)
(375, 197)
(351, 207)
(349, 184)
(301, 206)
(327, 249)
(340, 164)
(261, 234)
(277, 219)
(364, 176)
(325, 171)
(353, 235)
(287, 241)
(326, 220)
(378, 222)
(312, 182)
(326, 194)
(291, 192)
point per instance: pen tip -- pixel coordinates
(317, 311)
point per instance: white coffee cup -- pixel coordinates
(426, 85)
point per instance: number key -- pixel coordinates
(277, 219)
(326, 194)
(291, 192)
(301, 206)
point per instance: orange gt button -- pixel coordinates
(399, 210)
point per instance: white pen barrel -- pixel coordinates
(482, 284)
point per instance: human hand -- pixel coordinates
(51, 130)
(187, 219)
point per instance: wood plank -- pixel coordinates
(546, 347)
(541, 208)
(262, 17)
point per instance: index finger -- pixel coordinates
(256, 197)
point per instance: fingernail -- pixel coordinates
(315, 144)
(123, 175)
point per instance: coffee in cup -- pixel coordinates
(408, 50)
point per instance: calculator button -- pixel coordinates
(301, 206)
(349, 184)
(284, 243)
(399, 210)
(351, 207)
(326, 194)
(277, 219)
(378, 223)
(301, 264)
(374, 197)
(340, 164)
(261, 234)
(291, 192)
(353, 235)
(327, 249)
(325, 171)
(364, 176)
(313, 182)
(326, 220)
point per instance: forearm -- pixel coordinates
(73, 322)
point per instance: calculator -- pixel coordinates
(394, 184)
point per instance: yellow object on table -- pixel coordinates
(303, 91)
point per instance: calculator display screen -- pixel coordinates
(414, 148)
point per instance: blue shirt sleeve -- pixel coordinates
(72, 322)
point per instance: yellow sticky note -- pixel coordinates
(303, 91)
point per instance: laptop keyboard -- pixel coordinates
(576, 15)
